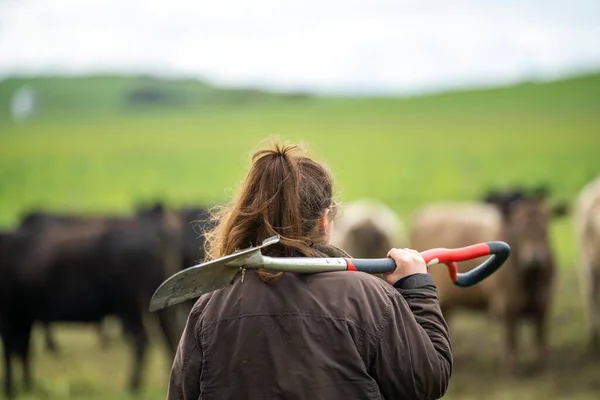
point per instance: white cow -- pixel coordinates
(587, 222)
(368, 228)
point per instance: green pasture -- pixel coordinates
(405, 152)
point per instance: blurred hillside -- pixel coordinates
(109, 96)
(106, 96)
(103, 143)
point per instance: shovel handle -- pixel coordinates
(499, 252)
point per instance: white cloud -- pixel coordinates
(380, 45)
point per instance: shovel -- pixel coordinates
(215, 274)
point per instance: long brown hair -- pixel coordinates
(284, 193)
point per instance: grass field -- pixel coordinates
(406, 152)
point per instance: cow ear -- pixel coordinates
(505, 200)
(496, 197)
(157, 208)
(541, 192)
(504, 205)
(560, 210)
(491, 197)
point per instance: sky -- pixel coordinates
(326, 46)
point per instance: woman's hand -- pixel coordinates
(408, 262)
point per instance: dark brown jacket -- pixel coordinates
(336, 335)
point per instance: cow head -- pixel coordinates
(526, 219)
(153, 210)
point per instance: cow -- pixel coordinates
(191, 222)
(587, 224)
(368, 228)
(195, 222)
(523, 287)
(84, 271)
(37, 219)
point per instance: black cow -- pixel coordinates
(191, 222)
(195, 222)
(37, 220)
(84, 271)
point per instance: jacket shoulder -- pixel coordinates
(368, 291)
(200, 305)
(372, 282)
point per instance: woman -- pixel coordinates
(308, 336)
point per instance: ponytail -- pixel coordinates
(283, 194)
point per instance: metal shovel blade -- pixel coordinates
(204, 278)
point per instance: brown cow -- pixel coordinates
(523, 287)
(368, 229)
(587, 222)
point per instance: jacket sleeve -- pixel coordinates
(412, 354)
(184, 382)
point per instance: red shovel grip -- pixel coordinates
(499, 252)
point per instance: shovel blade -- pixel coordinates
(204, 278)
(191, 283)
